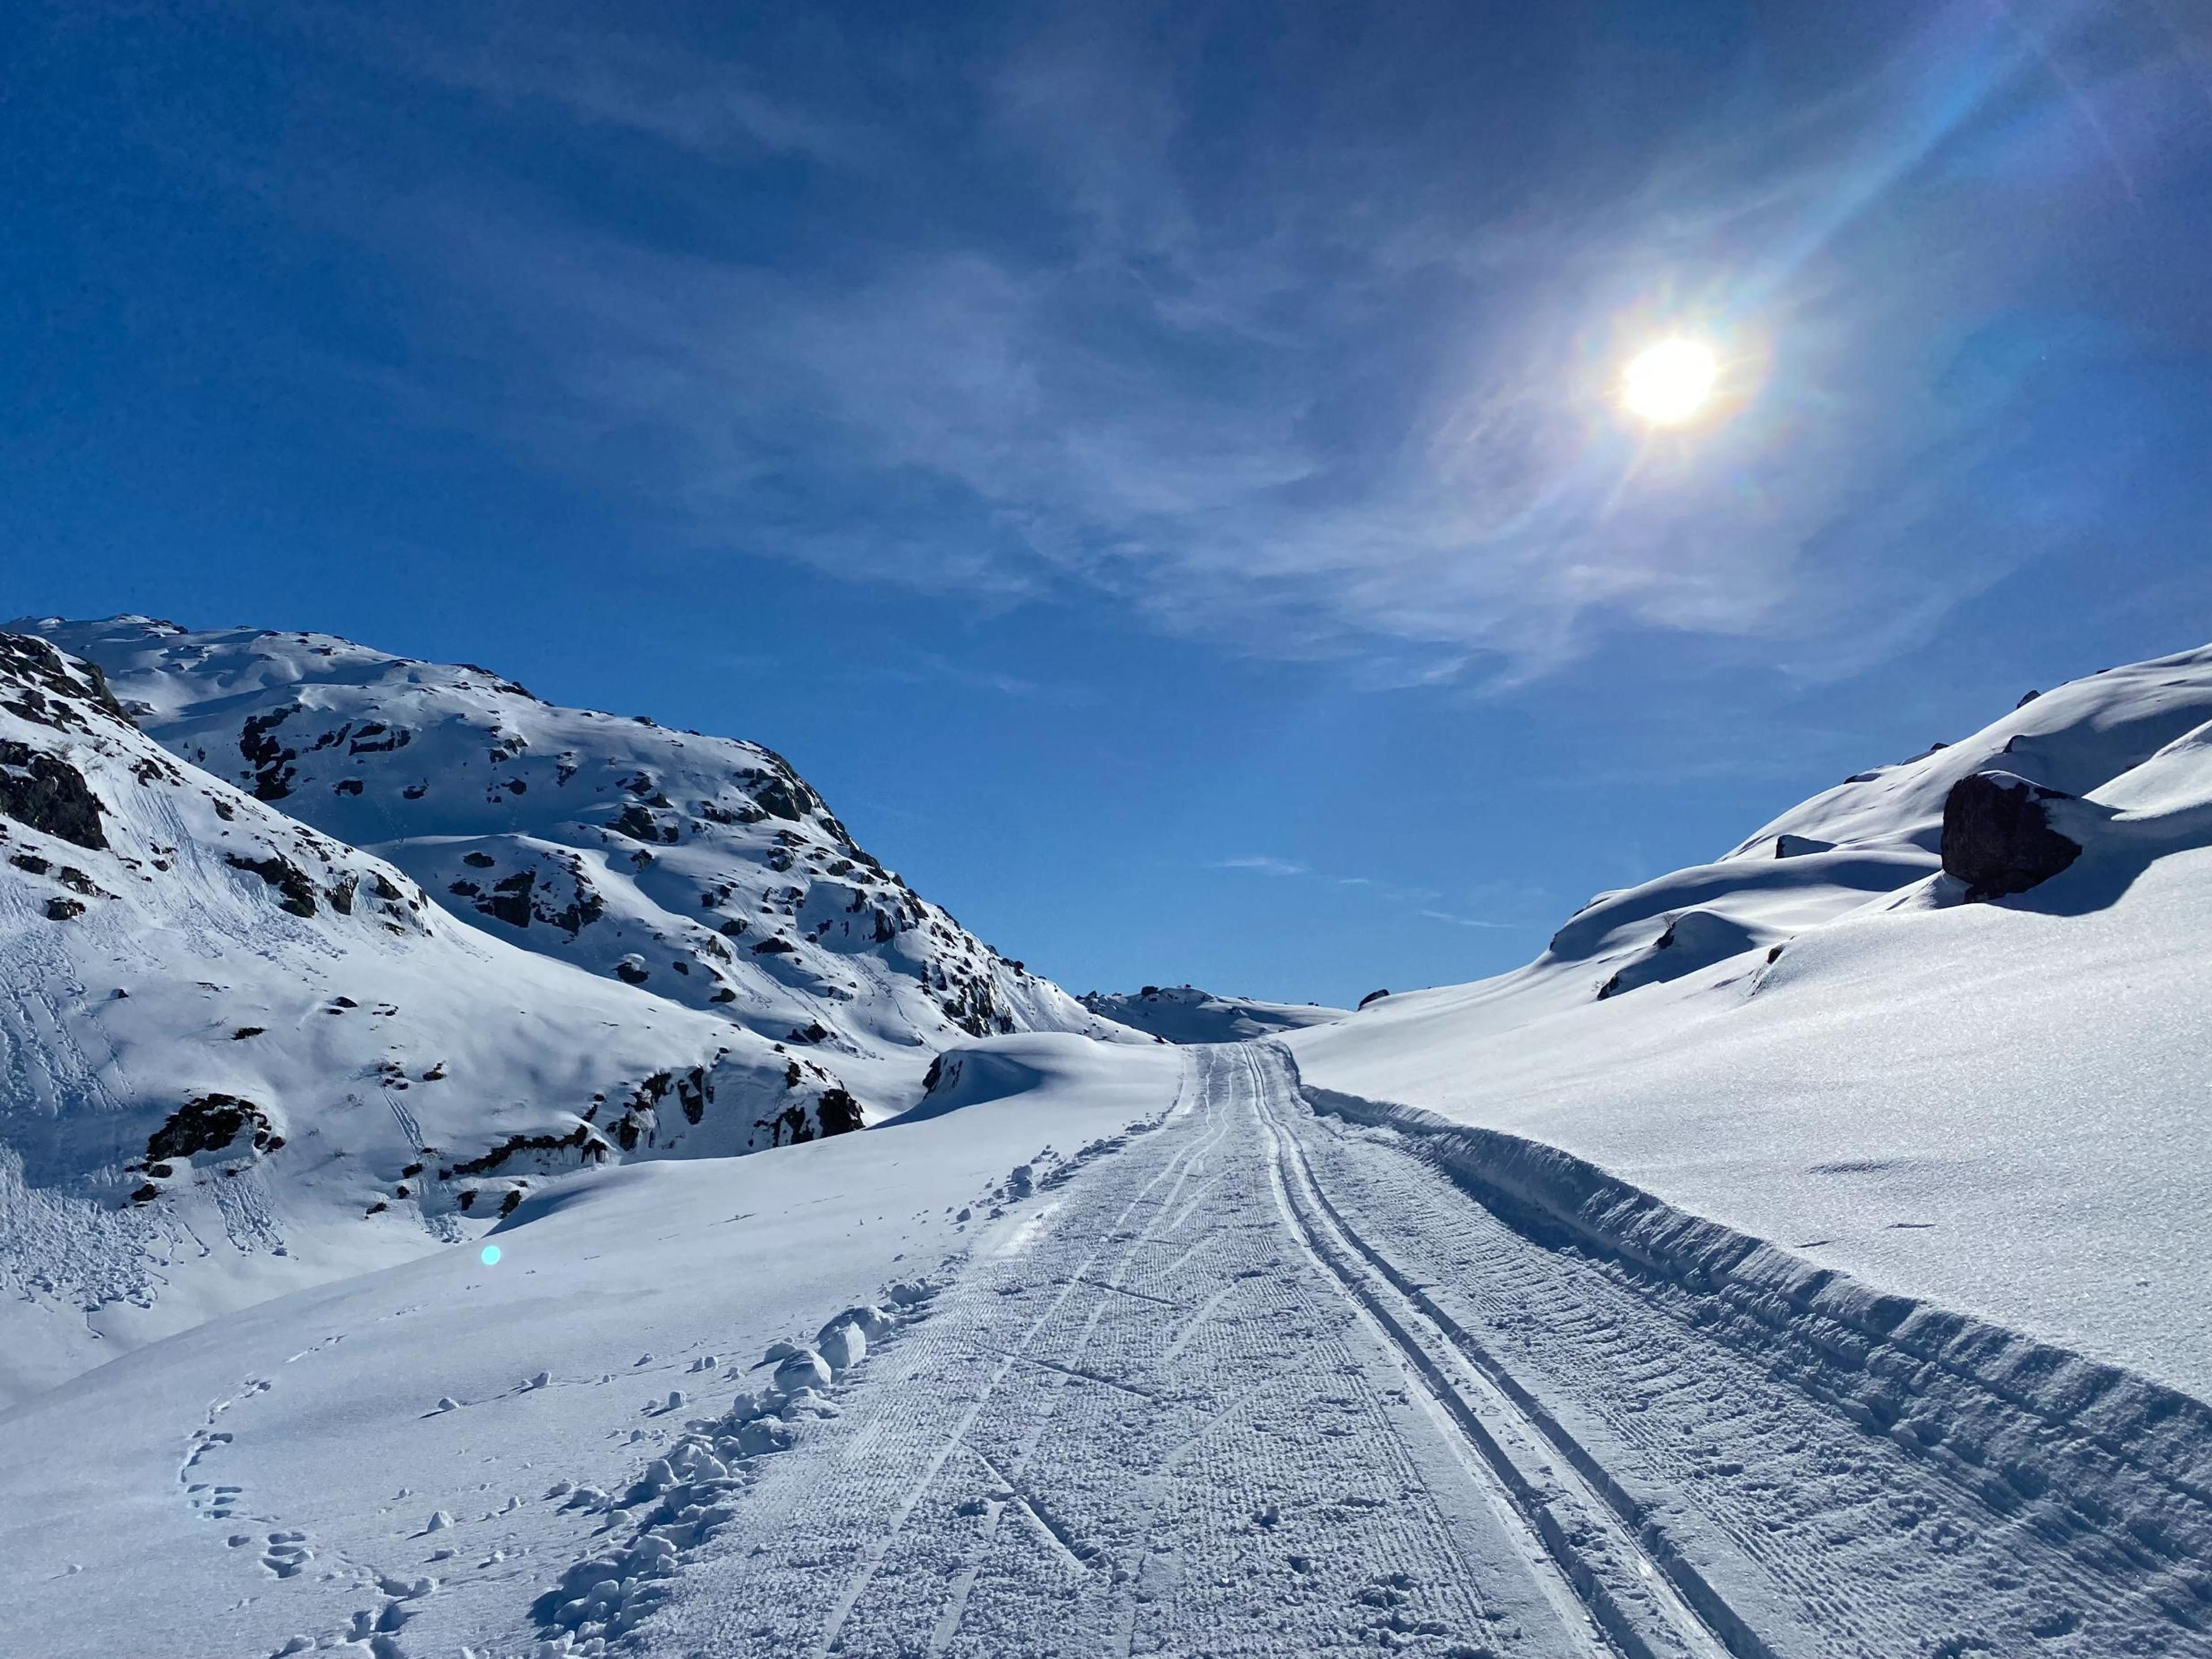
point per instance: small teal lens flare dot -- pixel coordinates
(491, 1255)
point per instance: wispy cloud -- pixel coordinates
(1262, 864)
(930, 668)
(1475, 921)
(1297, 394)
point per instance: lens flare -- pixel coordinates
(1669, 383)
(490, 1257)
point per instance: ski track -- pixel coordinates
(1265, 1383)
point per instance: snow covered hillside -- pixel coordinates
(1182, 1013)
(1947, 1026)
(701, 869)
(237, 1055)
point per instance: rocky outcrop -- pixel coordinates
(1997, 834)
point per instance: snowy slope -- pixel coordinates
(1818, 1041)
(1182, 1013)
(237, 1055)
(703, 869)
(273, 1472)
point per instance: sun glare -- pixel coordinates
(1669, 383)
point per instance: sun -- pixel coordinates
(1669, 383)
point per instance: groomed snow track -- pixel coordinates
(1266, 1381)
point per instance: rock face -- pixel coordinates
(1997, 834)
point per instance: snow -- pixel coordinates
(1998, 1107)
(251, 1058)
(703, 869)
(322, 1427)
(1694, 1290)
(1182, 1013)
(1228, 1376)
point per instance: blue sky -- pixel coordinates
(1157, 470)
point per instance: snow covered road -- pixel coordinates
(1264, 1382)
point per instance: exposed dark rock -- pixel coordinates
(36, 668)
(1997, 836)
(347, 787)
(208, 1124)
(773, 947)
(839, 1112)
(694, 1091)
(49, 795)
(63, 909)
(31, 863)
(509, 901)
(639, 824)
(630, 971)
(1372, 996)
(297, 893)
(341, 893)
(266, 754)
(478, 860)
(582, 1139)
(1796, 846)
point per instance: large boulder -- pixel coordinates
(1997, 834)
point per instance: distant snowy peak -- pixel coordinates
(703, 868)
(1182, 1013)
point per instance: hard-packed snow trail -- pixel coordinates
(1263, 1383)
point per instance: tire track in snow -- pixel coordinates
(871, 1560)
(1642, 1609)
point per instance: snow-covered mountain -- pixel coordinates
(1183, 1013)
(240, 1056)
(703, 869)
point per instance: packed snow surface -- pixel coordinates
(1182, 1013)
